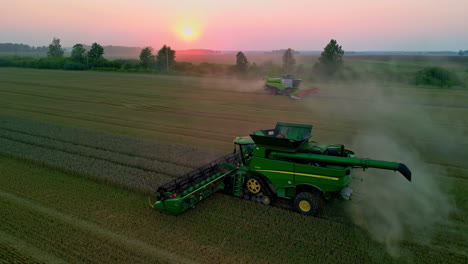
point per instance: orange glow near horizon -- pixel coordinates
(229, 25)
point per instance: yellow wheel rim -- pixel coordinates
(253, 186)
(304, 206)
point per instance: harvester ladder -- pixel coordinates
(238, 180)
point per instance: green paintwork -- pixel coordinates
(189, 198)
(287, 160)
(287, 84)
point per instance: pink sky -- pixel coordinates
(241, 24)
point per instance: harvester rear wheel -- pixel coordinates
(307, 203)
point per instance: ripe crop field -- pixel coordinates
(137, 131)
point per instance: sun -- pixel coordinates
(188, 33)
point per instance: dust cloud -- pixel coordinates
(393, 209)
(231, 84)
(388, 207)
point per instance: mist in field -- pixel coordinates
(387, 206)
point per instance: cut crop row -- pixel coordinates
(127, 177)
(184, 155)
(122, 159)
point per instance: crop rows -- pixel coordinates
(145, 164)
(183, 155)
(135, 179)
(124, 161)
(77, 243)
(10, 255)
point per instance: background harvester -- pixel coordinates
(286, 85)
(279, 163)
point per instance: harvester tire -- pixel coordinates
(307, 203)
(266, 200)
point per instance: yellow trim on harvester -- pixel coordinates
(303, 174)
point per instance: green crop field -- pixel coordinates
(80, 151)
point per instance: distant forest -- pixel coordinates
(13, 47)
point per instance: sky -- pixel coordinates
(357, 25)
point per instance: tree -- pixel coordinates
(288, 61)
(55, 49)
(78, 53)
(242, 63)
(461, 53)
(146, 57)
(95, 54)
(165, 58)
(331, 58)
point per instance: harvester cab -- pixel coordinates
(278, 163)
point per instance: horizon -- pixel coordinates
(361, 25)
(69, 48)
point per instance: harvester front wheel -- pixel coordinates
(307, 203)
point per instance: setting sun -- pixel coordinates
(188, 33)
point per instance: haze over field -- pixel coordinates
(240, 25)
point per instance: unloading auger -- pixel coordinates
(269, 164)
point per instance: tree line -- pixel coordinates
(163, 60)
(13, 47)
(329, 62)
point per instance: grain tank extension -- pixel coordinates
(279, 163)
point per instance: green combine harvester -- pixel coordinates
(269, 164)
(286, 85)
